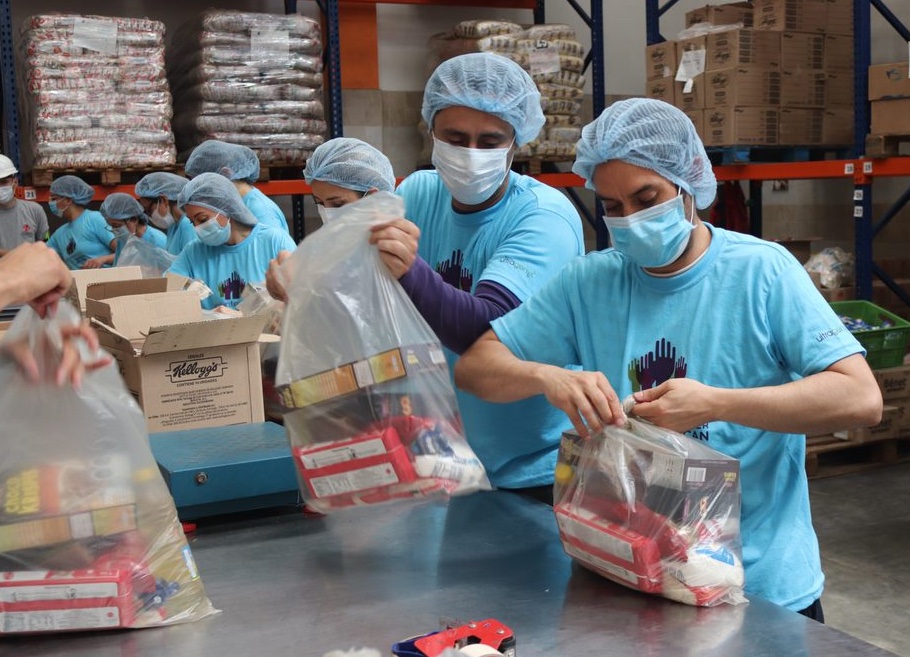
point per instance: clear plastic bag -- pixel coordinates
(89, 536)
(653, 510)
(152, 260)
(371, 412)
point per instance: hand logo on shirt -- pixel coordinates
(657, 366)
(71, 247)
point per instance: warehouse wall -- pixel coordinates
(387, 117)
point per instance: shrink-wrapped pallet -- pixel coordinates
(251, 79)
(94, 93)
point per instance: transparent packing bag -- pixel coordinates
(653, 510)
(370, 408)
(89, 535)
(152, 260)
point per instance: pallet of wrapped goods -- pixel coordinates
(94, 93)
(250, 79)
(553, 58)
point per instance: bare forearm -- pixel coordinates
(490, 371)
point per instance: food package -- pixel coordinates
(94, 93)
(89, 535)
(653, 510)
(251, 79)
(552, 56)
(370, 410)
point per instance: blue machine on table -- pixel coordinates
(226, 469)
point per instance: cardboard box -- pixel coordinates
(884, 430)
(838, 52)
(660, 59)
(742, 126)
(736, 47)
(743, 86)
(801, 127)
(889, 81)
(82, 278)
(839, 17)
(724, 14)
(802, 88)
(903, 414)
(837, 126)
(894, 382)
(185, 373)
(685, 45)
(790, 15)
(839, 89)
(890, 117)
(662, 89)
(695, 99)
(802, 50)
(698, 120)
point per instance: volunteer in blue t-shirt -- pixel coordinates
(158, 192)
(125, 218)
(233, 249)
(84, 240)
(717, 334)
(240, 165)
(478, 240)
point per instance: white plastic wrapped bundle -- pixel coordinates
(252, 79)
(555, 61)
(94, 92)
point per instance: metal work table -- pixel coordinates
(294, 585)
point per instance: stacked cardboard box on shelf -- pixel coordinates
(781, 75)
(889, 91)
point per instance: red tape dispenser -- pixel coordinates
(486, 633)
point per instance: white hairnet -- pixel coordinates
(352, 164)
(489, 83)
(122, 206)
(215, 192)
(651, 134)
(233, 161)
(160, 183)
(74, 188)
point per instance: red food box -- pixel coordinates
(365, 462)
(59, 601)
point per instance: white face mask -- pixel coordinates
(328, 214)
(162, 220)
(472, 175)
(213, 233)
(6, 194)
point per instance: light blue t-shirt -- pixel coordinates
(265, 209)
(82, 239)
(747, 315)
(179, 235)
(226, 269)
(155, 237)
(519, 243)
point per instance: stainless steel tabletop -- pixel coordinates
(294, 585)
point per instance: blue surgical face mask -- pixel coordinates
(654, 237)
(56, 211)
(472, 175)
(213, 233)
(121, 232)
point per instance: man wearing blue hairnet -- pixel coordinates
(84, 240)
(240, 165)
(714, 333)
(158, 192)
(479, 240)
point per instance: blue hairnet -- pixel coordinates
(122, 206)
(489, 83)
(218, 194)
(233, 161)
(74, 188)
(352, 164)
(651, 134)
(160, 183)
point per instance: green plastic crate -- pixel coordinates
(885, 347)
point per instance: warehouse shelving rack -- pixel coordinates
(860, 170)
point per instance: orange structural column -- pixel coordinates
(358, 40)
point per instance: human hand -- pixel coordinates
(677, 404)
(586, 397)
(93, 263)
(274, 278)
(33, 273)
(71, 367)
(397, 242)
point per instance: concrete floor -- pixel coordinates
(863, 526)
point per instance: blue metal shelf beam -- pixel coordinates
(11, 144)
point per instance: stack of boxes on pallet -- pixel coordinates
(781, 75)
(889, 93)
